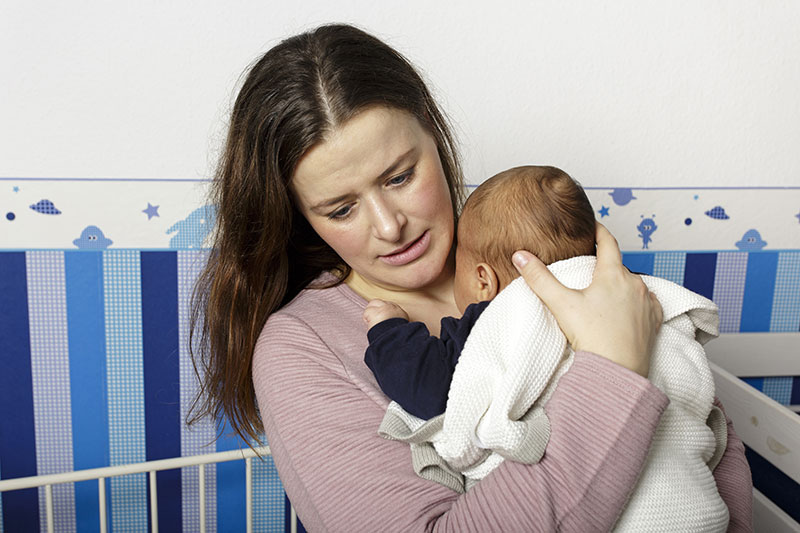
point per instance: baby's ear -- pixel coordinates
(488, 285)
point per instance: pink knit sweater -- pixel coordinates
(321, 409)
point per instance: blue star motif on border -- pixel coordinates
(798, 217)
(603, 211)
(151, 211)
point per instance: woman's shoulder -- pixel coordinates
(320, 305)
(321, 332)
(321, 321)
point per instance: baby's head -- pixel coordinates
(539, 209)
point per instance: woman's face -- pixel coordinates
(375, 191)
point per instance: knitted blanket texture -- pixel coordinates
(509, 368)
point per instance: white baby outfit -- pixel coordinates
(510, 366)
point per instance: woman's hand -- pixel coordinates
(615, 316)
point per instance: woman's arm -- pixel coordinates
(734, 482)
(341, 476)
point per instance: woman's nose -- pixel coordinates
(387, 221)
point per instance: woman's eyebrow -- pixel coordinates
(391, 169)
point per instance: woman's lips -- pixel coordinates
(410, 253)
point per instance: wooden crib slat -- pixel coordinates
(48, 500)
(248, 495)
(151, 467)
(153, 503)
(766, 426)
(769, 517)
(736, 353)
(201, 482)
(101, 495)
(131, 468)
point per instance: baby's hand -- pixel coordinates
(380, 310)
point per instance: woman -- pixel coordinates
(340, 183)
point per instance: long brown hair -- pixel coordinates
(264, 252)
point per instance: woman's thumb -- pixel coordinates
(539, 278)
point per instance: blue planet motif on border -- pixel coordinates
(45, 207)
(718, 213)
(751, 241)
(622, 196)
(92, 238)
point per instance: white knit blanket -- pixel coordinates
(510, 366)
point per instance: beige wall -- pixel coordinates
(624, 93)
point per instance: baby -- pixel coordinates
(475, 395)
(539, 209)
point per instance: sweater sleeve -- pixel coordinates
(734, 481)
(412, 367)
(415, 368)
(341, 476)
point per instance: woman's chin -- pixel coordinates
(423, 275)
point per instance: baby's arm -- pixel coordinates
(410, 365)
(413, 367)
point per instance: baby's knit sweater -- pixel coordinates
(510, 366)
(320, 406)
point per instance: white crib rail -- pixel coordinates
(151, 467)
(769, 429)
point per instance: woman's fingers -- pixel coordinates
(608, 254)
(615, 316)
(658, 311)
(561, 300)
(540, 280)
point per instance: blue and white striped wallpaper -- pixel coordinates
(94, 325)
(97, 373)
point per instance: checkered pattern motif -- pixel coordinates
(47, 316)
(192, 231)
(45, 207)
(195, 439)
(125, 356)
(779, 389)
(269, 500)
(670, 266)
(786, 302)
(729, 289)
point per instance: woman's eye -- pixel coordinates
(340, 213)
(402, 178)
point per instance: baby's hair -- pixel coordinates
(535, 208)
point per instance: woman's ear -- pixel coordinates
(488, 285)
